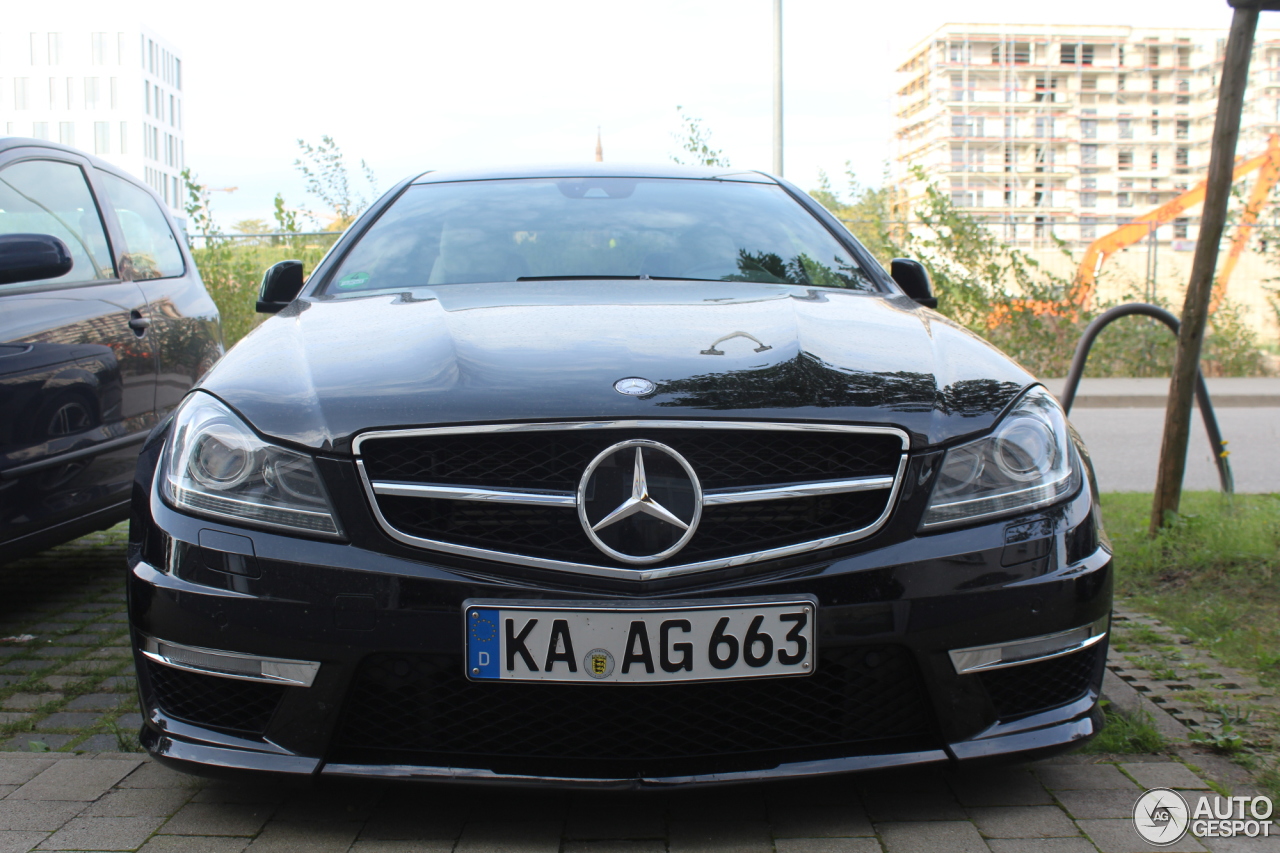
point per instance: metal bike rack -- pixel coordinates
(1202, 391)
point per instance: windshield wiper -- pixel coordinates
(581, 277)
(612, 278)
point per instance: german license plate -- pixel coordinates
(601, 642)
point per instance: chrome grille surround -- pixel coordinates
(569, 499)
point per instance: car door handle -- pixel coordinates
(138, 323)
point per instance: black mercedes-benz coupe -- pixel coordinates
(616, 477)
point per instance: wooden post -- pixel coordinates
(1195, 310)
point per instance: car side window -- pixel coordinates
(50, 197)
(151, 250)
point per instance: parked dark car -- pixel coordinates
(104, 328)
(612, 477)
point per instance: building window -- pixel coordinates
(1088, 155)
(114, 99)
(1120, 82)
(1088, 228)
(1155, 124)
(1089, 128)
(1181, 160)
(67, 132)
(177, 74)
(1180, 228)
(1067, 54)
(1044, 89)
(1184, 92)
(91, 93)
(1124, 200)
(55, 48)
(20, 93)
(1184, 57)
(1124, 127)
(957, 158)
(146, 97)
(40, 130)
(1155, 82)
(1088, 84)
(171, 102)
(1044, 127)
(54, 100)
(1153, 56)
(1040, 220)
(1155, 159)
(1153, 198)
(1088, 199)
(960, 52)
(1182, 129)
(101, 137)
(98, 48)
(124, 137)
(1086, 54)
(1017, 53)
(963, 126)
(1124, 160)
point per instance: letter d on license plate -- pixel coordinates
(599, 642)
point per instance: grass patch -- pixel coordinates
(1212, 575)
(1126, 734)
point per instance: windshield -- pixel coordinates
(531, 229)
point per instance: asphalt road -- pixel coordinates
(1125, 445)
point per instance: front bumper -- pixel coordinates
(344, 605)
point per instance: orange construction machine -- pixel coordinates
(1138, 229)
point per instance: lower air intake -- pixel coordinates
(213, 701)
(421, 709)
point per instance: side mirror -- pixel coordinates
(281, 284)
(913, 278)
(31, 257)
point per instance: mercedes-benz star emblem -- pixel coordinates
(639, 501)
(634, 386)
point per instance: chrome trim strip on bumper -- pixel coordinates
(235, 665)
(1029, 650)
(894, 483)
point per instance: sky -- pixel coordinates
(409, 87)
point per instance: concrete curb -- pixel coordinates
(1128, 393)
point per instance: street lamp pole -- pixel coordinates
(777, 87)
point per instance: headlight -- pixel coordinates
(1025, 464)
(216, 466)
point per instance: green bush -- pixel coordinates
(232, 272)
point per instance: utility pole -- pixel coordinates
(1195, 310)
(777, 87)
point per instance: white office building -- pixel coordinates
(114, 93)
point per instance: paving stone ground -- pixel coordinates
(67, 693)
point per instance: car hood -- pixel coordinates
(324, 369)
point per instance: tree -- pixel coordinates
(325, 170)
(867, 212)
(286, 220)
(695, 141)
(251, 226)
(197, 206)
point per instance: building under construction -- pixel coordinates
(1068, 131)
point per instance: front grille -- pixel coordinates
(422, 709)
(556, 460)
(1034, 687)
(555, 532)
(542, 461)
(209, 700)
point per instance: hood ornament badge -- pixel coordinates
(634, 386)
(639, 501)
